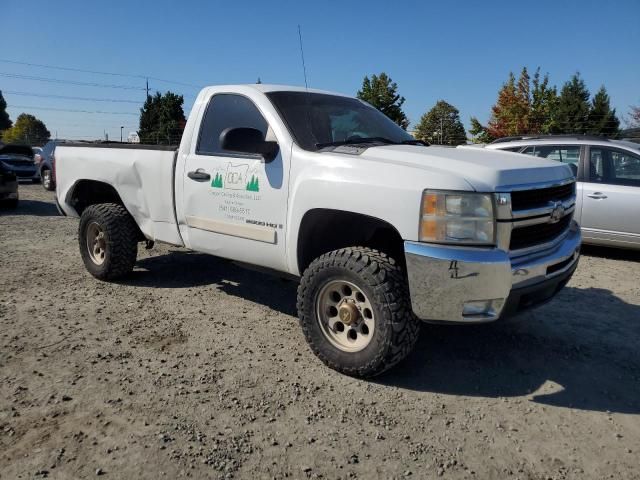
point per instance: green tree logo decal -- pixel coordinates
(253, 185)
(217, 181)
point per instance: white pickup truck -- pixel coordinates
(382, 230)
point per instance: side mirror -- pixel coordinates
(248, 140)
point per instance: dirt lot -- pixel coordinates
(195, 367)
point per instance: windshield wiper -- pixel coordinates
(364, 140)
(357, 141)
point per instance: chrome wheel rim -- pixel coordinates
(345, 316)
(46, 180)
(96, 243)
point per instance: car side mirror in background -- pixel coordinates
(248, 140)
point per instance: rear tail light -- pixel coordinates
(53, 169)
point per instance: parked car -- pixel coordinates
(380, 229)
(47, 164)
(608, 188)
(8, 187)
(19, 160)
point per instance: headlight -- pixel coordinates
(457, 217)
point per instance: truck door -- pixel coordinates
(235, 205)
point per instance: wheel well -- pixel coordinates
(91, 192)
(325, 230)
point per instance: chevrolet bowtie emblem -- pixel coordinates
(557, 213)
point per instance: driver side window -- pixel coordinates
(227, 111)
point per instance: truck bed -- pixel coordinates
(142, 175)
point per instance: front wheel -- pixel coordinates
(47, 180)
(355, 311)
(108, 240)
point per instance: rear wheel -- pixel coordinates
(47, 180)
(108, 240)
(355, 311)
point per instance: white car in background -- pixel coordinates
(608, 187)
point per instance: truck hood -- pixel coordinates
(484, 170)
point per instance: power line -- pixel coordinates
(63, 97)
(70, 110)
(96, 72)
(70, 82)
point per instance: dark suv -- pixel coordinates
(47, 164)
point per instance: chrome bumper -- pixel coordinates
(472, 285)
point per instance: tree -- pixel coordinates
(544, 100)
(525, 106)
(479, 132)
(27, 130)
(602, 119)
(573, 107)
(441, 125)
(634, 120)
(510, 114)
(381, 92)
(523, 101)
(162, 119)
(5, 121)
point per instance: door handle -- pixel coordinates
(597, 195)
(199, 175)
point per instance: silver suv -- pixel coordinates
(608, 187)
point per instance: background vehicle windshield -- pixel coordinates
(315, 118)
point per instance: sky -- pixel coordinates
(459, 51)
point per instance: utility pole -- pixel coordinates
(441, 129)
(147, 89)
(121, 128)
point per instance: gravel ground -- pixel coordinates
(196, 367)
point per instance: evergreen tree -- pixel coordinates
(162, 119)
(479, 132)
(602, 119)
(522, 107)
(27, 130)
(573, 107)
(382, 93)
(5, 121)
(544, 101)
(441, 125)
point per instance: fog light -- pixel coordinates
(485, 308)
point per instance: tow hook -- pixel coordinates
(148, 244)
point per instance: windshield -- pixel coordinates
(318, 121)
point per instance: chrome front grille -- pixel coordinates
(534, 217)
(528, 199)
(538, 234)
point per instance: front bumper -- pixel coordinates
(27, 175)
(472, 285)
